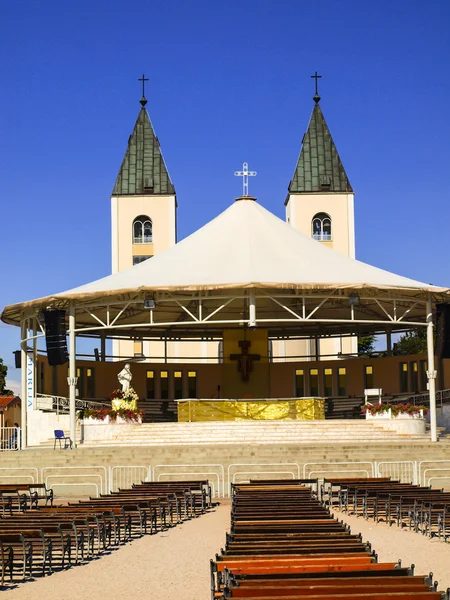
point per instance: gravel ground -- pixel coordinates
(392, 543)
(172, 565)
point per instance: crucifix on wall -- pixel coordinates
(245, 360)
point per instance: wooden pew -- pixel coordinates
(284, 544)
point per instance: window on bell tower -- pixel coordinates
(321, 227)
(142, 230)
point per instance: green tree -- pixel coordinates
(3, 372)
(366, 345)
(413, 342)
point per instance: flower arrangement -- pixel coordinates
(127, 400)
(129, 396)
(410, 409)
(100, 414)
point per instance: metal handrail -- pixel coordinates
(442, 397)
(61, 404)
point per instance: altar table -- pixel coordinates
(273, 409)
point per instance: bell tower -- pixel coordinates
(320, 204)
(320, 201)
(143, 206)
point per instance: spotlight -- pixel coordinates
(149, 302)
(354, 299)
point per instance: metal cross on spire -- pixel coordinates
(143, 100)
(316, 96)
(245, 174)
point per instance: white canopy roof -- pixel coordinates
(246, 246)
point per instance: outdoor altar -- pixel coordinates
(293, 409)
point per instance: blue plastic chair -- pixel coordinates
(60, 435)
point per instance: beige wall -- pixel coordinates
(10, 415)
(177, 351)
(289, 349)
(301, 209)
(124, 209)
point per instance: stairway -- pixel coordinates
(253, 432)
(159, 411)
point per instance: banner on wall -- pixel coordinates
(30, 381)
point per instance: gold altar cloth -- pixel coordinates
(117, 403)
(251, 410)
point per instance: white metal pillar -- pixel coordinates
(23, 378)
(35, 362)
(252, 310)
(431, 372)
(72, 379)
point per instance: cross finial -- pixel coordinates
(316, 96)
(143, 100)
(245, 174)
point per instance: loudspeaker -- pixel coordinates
(55, 337)
(17, 359)
(442, 344)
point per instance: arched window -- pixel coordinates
(142, 230)
(321, 227)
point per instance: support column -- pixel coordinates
(72, 379)
(431, 373)
(389, 343)
(103, 347)
(23, 378)
(35, 362)
(252, 310)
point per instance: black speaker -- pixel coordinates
(442, 344)
(55, 337)
(17, 359)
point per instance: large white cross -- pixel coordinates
(245, 174)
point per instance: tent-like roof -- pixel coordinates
(245, 247)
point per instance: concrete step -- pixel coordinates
(247, 432)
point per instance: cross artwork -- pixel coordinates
(143, 100)
(316, 97)
(245, 360)
(245, 174)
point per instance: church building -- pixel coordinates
(264, 327)
(320, 204)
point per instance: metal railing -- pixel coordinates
(322, 237)
(61, 405)
(10, 438)
(146, 239)
(222, 475)
(442, 397)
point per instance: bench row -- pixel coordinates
(283, 543)
(419, 508)
(39, 540)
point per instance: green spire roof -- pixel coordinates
(319, 168)
(143, 170)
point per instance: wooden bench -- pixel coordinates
(284, 544)
(35, 542)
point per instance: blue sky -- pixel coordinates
(229, 82)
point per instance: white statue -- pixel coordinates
(125, 378)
